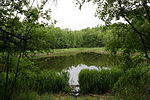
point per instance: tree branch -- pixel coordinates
(11, 34)
(140, 35)
(133, 27)
(146, 71)
(16, 75)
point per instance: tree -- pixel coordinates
(135, 12)
(18, 18)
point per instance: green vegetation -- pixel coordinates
(112, 37)
(66, 52)
(36, 80)
(34, 96)
(82, 97)
(20, 36)
(55, 38)
(135, 13)
(98, 81)
(134, 84)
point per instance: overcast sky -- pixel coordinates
(69, 16)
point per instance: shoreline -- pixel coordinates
(74, 51)
(69, 51)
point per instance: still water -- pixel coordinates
(75, 63)
(59, 63)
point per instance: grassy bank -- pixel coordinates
(74, 51)
(67, 52)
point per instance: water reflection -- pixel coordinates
(75, 70)
(59, 63)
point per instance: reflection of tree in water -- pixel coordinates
(63, 62)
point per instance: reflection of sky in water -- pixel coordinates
(75, 70)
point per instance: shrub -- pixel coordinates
(98, 81)
(134, 84)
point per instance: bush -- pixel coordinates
(134, 84)
(98, 81)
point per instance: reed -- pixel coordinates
(98, 81)
(38, 81)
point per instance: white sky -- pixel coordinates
(69, 16)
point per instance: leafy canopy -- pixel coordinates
(107, 10)
(18, 18)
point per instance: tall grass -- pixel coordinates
(39, 81)
(98, 81)
(52, 82)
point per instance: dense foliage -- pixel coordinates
(134, 84)
(18, 19)
(21, 32)
(134, 12)
(113, 37)
(55, 38)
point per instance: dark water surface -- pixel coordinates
(59, 63)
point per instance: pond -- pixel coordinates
(59, 63)
(75, 63)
